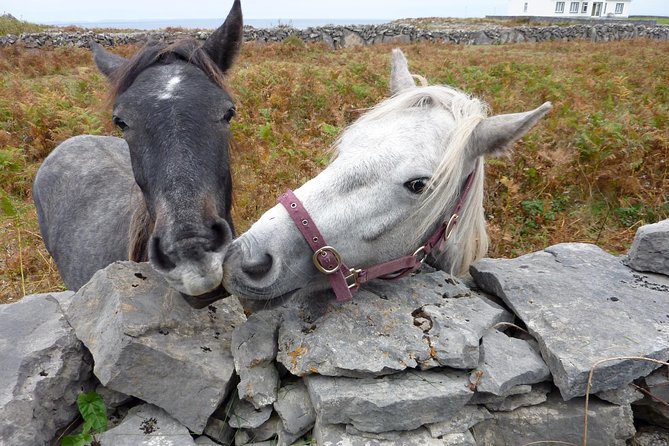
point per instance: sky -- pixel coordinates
(50, 11)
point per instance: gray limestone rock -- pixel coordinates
(583, 305)
(558, 421)
(485, 398)
(337, 435)
(507, 362)
(537, 395)
(43, 367)
(462, 421)
(294, 407)
(397, 402)
(149, 343)
(651, 436)
(460, 439)
(271, 429)
(623, 396)
(388, 327)
(658, 383)
(457, 327)
(147, 425)
(244, 416)
(254, 347)
(203, 440)
(650, 249)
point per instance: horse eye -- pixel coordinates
(120, 123)
(416, 186)
(232, 111)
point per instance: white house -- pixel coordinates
(570, 9)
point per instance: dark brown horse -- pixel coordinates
(163, 192)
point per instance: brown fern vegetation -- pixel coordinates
(593, 171)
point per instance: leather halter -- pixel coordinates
(344, 280)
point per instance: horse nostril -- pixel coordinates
(158, 257)
(222, 234)
(258, 268)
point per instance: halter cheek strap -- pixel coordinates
(344, 280)
(326, 259)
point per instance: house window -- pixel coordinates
(559, 7)
(619, 8)
(525, 7)
(573, 8)
(585, 7)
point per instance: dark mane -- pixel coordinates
(187, 50)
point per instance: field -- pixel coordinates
(593, 171)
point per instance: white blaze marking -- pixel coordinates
(170, 87)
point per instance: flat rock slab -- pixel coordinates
(584, 305)
(425, 321)
(147, 342)
(558, 421)
(147, 425)
(650, 249)
(43, 367)
(403, 401)
(341, 435)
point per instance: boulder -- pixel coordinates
(149, 343)
(403, 401)
(43, 368)
(584, 305)
(650, 249)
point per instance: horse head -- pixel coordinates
(397, 176)
(172, 107)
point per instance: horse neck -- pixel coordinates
(141, 228)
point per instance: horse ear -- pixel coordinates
(496, 134)
(106, 62)
(224, 44)
(400, 77)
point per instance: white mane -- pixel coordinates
(469, 240)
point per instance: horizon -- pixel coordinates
(83, 11)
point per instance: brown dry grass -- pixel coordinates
(594, 170)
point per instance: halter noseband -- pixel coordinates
(345, 280)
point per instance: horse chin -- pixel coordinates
(197, 279)
(206, 299)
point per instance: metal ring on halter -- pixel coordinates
(324, 252)
(422, 252)
(450, 226)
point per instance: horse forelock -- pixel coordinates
(187, 50)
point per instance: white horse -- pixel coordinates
(398, 173)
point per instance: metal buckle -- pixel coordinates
(353, 273)
(324, 251)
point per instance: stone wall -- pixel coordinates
(500, 359)
(347, 36)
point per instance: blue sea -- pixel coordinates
(214, 23)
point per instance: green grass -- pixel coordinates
(11, 25)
